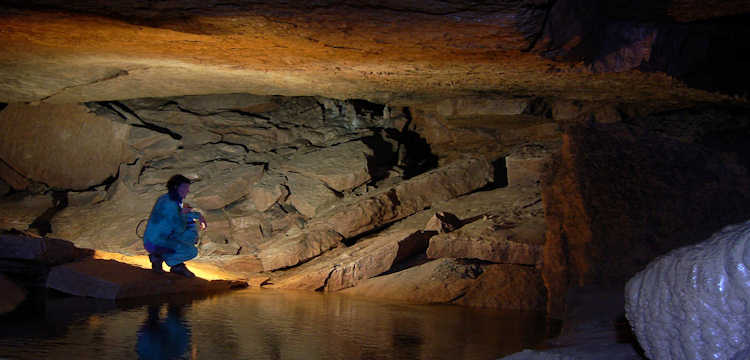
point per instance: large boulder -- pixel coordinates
(12, 295)
(288, 250)
(446, 280)
(692, 302)
(493, 239)
(341, 167)
(365, 259)
(76, 137)
(224, 188)
(508, 287)
(308, 194)
(268, 191)
(438, 281)
(413, 195)
(110, 279)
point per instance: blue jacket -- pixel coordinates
(167, 227)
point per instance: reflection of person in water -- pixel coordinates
(172, 230)
(163, 339)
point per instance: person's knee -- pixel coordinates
(192, 252)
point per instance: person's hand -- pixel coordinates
(186, 209)
(203, 225)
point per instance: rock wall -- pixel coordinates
(322, 194)
(619, 195)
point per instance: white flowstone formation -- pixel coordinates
(693, 302)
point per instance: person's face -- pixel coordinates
(183, 190)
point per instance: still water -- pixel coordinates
(262, 324)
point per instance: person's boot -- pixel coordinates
(182, 270)
(156, 261)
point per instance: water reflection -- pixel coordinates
(167, 338)
(257, 324)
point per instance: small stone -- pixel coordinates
(443, 222)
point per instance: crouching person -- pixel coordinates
(172, 229)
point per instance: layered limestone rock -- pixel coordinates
(392, 256)
(493, 239)
(394, 203)
(289, 250)
(249, 196)
(454, 281)
(439, 281)
(692, 302)
(225, 188)
(348, 267)
(341, 167)
(308, 194)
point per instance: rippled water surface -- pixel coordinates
(262, 324)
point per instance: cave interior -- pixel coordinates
(546, 150)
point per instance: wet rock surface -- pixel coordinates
(33, 263)
(109, 279)
(47, 251)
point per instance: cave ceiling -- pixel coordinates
(395, 52)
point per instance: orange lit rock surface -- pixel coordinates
(109, 279)
(385, 52)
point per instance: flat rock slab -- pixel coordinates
(12, 295)
(397, 202)
(342, 167)
(351, 265)
(109, 279)
(48, 251)
(453, 281)
(285, 251)
(226, 187)
(493, 240)
(438, 281)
